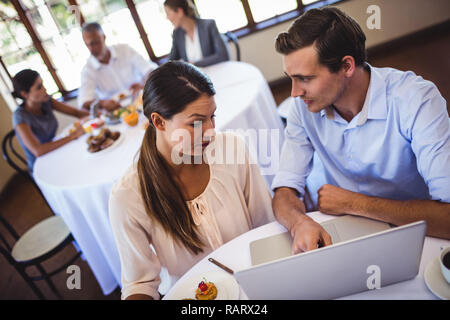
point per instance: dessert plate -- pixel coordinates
(227, 287)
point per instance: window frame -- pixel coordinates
(250, 28)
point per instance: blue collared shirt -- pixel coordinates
(396, 147)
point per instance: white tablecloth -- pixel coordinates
(235, 254)
(77, 184)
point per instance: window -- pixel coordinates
(116, 21)
(306, 2)
(158, 28)
(45, 35)
(229, 15)
(265, 9)
(17, 51)
(61, 38)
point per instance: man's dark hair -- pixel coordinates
(333, 33)
(92, 27)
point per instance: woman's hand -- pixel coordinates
(78, 132)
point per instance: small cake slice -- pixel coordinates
(206, 291)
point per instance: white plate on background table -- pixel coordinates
(121, 95)
(435, 281)
(66, 131)
(227, 287)
(126, 100)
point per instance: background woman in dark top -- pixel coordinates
(195, 40)
(34, 121)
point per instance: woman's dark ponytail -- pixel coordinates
(168, 90)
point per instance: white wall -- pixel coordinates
(5, 126)
(398, 18)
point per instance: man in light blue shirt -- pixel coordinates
(382, 135)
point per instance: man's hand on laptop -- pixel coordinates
(290, 212)
(308, 235)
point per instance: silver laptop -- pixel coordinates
(340, 229)
(344, 268)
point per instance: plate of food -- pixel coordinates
(118, 114)
(215, 285)
(105, 140)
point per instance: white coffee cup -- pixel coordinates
(445, 270)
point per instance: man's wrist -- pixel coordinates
(301, 218)
(358, 206)
(298, 216)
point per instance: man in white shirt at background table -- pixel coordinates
(110, 70)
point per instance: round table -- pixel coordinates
(77, 184)
(235, 254)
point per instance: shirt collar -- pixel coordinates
(97, 64)
(374, 107)
(376, 95)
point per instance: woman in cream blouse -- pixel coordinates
(194, 40)
(191, 190)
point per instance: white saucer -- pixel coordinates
(435, 281)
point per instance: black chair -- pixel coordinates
(40, 243)
(13, 157)
(230, 36)
(16, 161)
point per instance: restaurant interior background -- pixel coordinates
(399, 18)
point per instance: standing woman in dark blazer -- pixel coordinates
(195, 40)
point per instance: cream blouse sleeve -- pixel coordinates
(140, 267)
